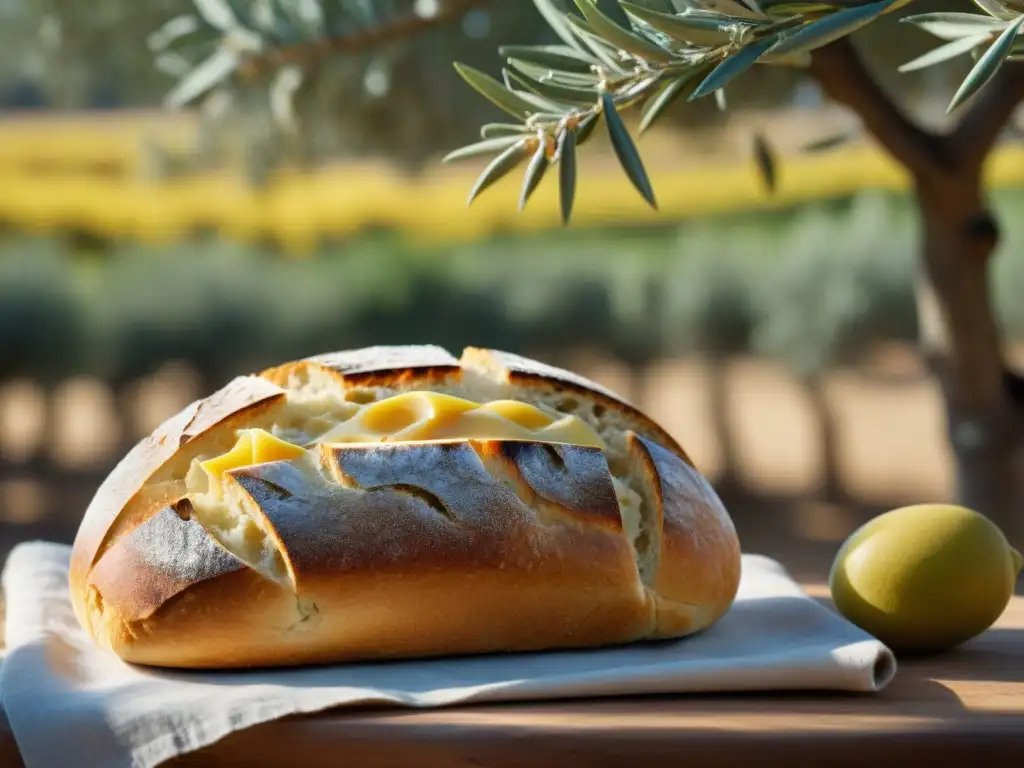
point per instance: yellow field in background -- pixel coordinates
(49, 180)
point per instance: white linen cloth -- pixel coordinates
(71, 703)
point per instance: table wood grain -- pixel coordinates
(953, 708)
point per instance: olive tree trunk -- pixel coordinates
(961, 342)
(960, 338)
(720, 412)
(832, 486)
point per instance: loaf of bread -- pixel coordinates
(396, 502)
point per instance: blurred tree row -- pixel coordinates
(813, 289)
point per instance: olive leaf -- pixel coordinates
(217, 13)
(830, 28)
(550, 56)
(953, 26)
(595, 43)
(214, 70)
(621, 37)
(802, 9)
(566, 172)
(681, 86)
(945, 52)
(655, 5)
(486, 147)
(826, 143)
(174, 31)
(547, 74)
(720, 100)
(556, 91)
(731, 67)
(626, 152)
(498, 168)
(731, 8)
(557, 19)
(515, 103)
(700, 28)
(765, 158)
(534, 173)
(987, 65)
(496, 130)
(586, 128)
(996, 9)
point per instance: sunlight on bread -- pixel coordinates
(417, 416)
(396, 502)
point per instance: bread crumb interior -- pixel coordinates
(318, 410)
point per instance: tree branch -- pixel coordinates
(401, 28)
(988, 114)
(842, 74)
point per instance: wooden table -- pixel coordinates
(954, 709)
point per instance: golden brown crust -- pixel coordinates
(106, 515)
(696, 566)
(376, 366)
(401, 549)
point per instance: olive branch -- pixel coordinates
(672, 50)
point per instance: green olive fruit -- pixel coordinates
(925, 578)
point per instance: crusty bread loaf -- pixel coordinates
(399, 502)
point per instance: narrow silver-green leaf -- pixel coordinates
(497, 130)
(557, 19)
(621, 37)
(953, 26)
(735, 65)
(209, 74)
(485, 147)
(641, 90)
(586, 128)
(668, 95)
(566, 173)
(730, 8)
(826, 143)
(987, 65)
(996, 9)
(602, 50)
(537, 72)
(551, 56)
(945, 52)
(720, 100)
(665, 6)
(217, 13)
(764, 156)
(691, 27)
(755, 6)
(801, 8)
(534, 173)
(830, 28)
(626, 152)
(174, 30)
(498, 168)
(514, 103)
(554, 91)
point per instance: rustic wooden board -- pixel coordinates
(953, 708)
